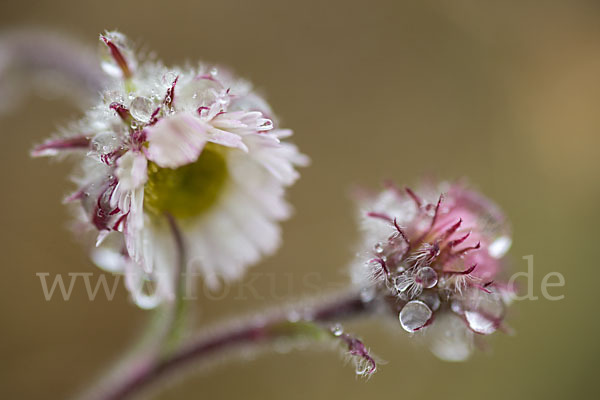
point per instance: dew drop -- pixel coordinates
(480, 323)
(362, 367)
(378, 248)
(414, 315)
(427, 277)
(169, 77)
(483, 311)
(112, 96)
(403, 282)
(105, 143)
(456, 306)
(200, 92)
(450, 339)
(337, 330)
(432, 300)
(141, 109)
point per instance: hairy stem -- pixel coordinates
(162, 336)
(181, 308)
(294, 322)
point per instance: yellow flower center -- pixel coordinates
(189, 190)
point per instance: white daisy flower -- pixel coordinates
(191, 145)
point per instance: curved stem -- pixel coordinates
(295, 322)
(165, 331)
(180, 315)
(34, 58)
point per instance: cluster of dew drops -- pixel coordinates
(409, 275)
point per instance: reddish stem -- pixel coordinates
(251, 332)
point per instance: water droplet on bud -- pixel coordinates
(403, 282)
(362, 367)
(480, 323)
(449, 338)
(427, 277)
(431, 299)
(414, 315)
(483, 311)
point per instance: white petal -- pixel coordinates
(227, 139)
(235, 235)
(176, 140)
(134, 228)
(162, 277)
(131, 170)
(279, 159)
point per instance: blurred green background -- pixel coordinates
(503, 92)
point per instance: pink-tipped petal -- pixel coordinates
(54, 146)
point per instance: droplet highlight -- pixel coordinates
(427, 277)
(414, 315)
(141, 108)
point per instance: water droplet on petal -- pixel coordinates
(427, 277)
(169, 77)
(141, 109)
(414, 315)
(105, 143)
(378, 248)
(200, 92)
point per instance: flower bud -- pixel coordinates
(436, 256)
